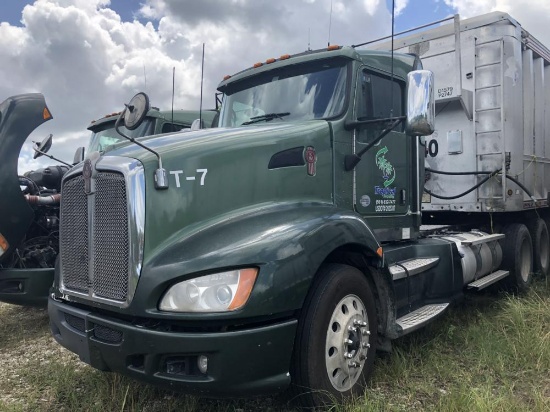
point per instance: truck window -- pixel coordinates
(380, 97)
(173, 127)
(305, 92)
(105, 134)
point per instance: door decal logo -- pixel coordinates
(387, 202)
(388, 172)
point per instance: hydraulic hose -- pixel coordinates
(490, 174)
(43, 200)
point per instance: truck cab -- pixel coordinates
(284, 247)
(156, 122)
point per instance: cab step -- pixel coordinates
(420, 317)
(413, 266)
(485, 281)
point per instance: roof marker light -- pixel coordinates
(259, 64)
(269, 61)
(226, 77)
(333, 47)
(284, 57)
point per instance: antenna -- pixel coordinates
(330, 22)
(144, 78)
(202, 80)
(173, 88)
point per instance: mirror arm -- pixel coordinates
(161, 181)
(351, 160)
(51, 157)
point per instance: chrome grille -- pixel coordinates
(102, 232)
(74, 235)
(110, 237)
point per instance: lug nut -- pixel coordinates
(348, 355)
(365, 332)
(365, 345)
(348, 341)
(352, 329)
(359, 323)
(353, 364)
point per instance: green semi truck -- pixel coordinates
(284, 248)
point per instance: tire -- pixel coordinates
(337, 334)
(517, 257)
(541, 246)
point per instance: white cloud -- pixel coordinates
(88, 62)
(532, 15)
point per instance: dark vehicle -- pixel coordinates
(29, 207)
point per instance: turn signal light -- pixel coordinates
(46, 114)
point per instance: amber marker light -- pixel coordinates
(4, 245)
(226, 77)
(46, 114)
(269, 61)
(246, 282)
(259, 64)
(379, 252)
(284, 57)
(333, 47)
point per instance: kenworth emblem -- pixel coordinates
(311, 159)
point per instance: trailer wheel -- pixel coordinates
(517, 252)
(337, 333)
(541, 246)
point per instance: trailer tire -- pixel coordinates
(336, 339)
(541, 246)
(517, 252)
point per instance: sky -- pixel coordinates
(89, 57)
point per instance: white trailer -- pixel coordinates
(492, 131)
(492, 90)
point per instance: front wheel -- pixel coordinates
(337, 333)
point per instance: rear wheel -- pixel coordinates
(517, 252)
(541, 246)
(335, 346)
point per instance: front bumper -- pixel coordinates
(240, 363)
(28, 287)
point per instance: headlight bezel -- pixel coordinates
(204, 293)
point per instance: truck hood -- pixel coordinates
(215, 173)
(19, 116)
(169, 144)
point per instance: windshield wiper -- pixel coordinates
(265, 117)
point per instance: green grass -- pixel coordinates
(489, 353)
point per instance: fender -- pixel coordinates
(287, 241)
(19, 116)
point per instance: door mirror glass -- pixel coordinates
(420, 103)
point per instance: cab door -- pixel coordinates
(383, 177)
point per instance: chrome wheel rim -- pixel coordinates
(347, 343)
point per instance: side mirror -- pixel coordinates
(136, 111)
(78, 155)
(420, 103)
(42, 147)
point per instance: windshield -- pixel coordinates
(302, 92)
(105, 134)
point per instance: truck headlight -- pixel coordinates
(219, 292)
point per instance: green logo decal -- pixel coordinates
(388, 172)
